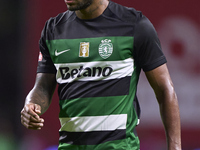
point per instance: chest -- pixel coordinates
(90, 49)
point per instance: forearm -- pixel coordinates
(39, 97)
(169, 111)
(42, 92)
(162, 85)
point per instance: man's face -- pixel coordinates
(74, 5)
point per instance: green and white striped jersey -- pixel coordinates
(97, 64)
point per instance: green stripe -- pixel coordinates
(122, 49)
(95, 106)
(125, 144)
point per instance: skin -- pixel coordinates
(83, 11)
(162, 85)
(38, 101)
(39, 98)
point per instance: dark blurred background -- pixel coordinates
(178, 26)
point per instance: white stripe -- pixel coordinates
(95, 123)
(121, 69)
(138, 122)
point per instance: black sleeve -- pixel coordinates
(147, 49)
(45, 64)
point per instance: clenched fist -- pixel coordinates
(30, 116)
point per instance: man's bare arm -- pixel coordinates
(38, 101)
(162, 85)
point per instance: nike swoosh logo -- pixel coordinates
(58, 53)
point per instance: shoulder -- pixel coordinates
(59, 19)
(130, 14)
(144, 30)
(144, 24)
(53, 22)
(127, 14)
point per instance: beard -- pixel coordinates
(80, 5)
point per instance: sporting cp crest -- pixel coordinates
(105, 48)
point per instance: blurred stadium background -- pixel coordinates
(178, 26)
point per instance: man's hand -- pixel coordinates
(30, 116)
(38, 101)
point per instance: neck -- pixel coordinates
(94, 10)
